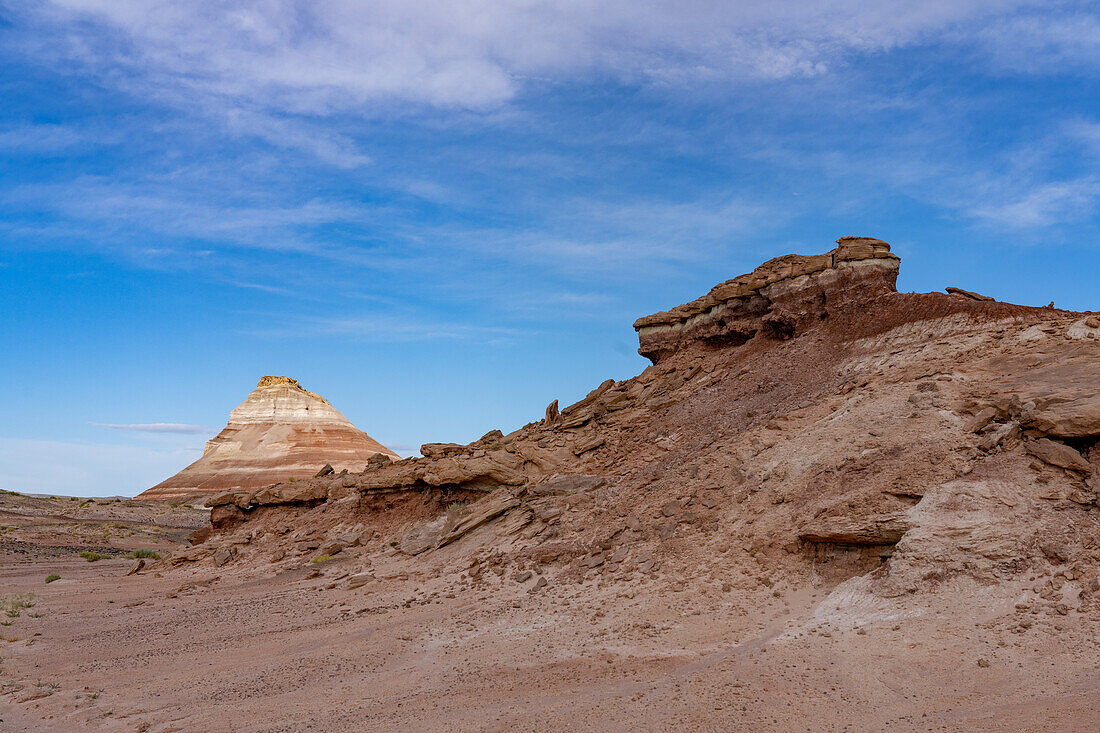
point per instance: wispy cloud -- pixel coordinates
(318, 57)
(157, 427)
(388, 328)
(42, 139)
(1045, 204)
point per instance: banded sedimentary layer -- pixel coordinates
(281, 431)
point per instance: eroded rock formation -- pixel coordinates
(280, 432)
(805, 420)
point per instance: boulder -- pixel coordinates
(480, 513)
(223, 555)
(435, 450)
(1058, 454)
(1069, 415)
(226, 516)
(333, 548)
(552, 414)
(881, 530)
(967, 294)
(422, 538)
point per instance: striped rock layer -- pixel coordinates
(775, 297)
(280, 432)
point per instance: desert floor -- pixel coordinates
(266, 649)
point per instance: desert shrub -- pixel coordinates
(322, 558)
(52, 577)
(91, 556)
(14, 604)
(456, 510)
(144, 552)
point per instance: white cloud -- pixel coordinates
(1045, 42)
(157, 427)
(319, 56)
(1045, 205)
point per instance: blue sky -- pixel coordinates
(443, 215)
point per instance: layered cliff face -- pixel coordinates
(280, 432)
(778, 298)
(805, 421)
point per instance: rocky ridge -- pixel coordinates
(805, 422)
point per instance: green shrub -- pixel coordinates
(144, 552)
(322, 558)
(91, 556)
(52, 577)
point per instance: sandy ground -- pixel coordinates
(296, 649)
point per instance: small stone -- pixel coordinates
(671, 509)
(523, 577)
(223, 555)
(332, 549)
(983, 662)
(359, 580)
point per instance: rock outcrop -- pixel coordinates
(280, 432)
(778, 298)
(806, 420)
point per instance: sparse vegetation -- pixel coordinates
(13, 605)
(52, 577)
(144, 553)
(322, 558)
(290, 480)
(456, 510)
(91, 556)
